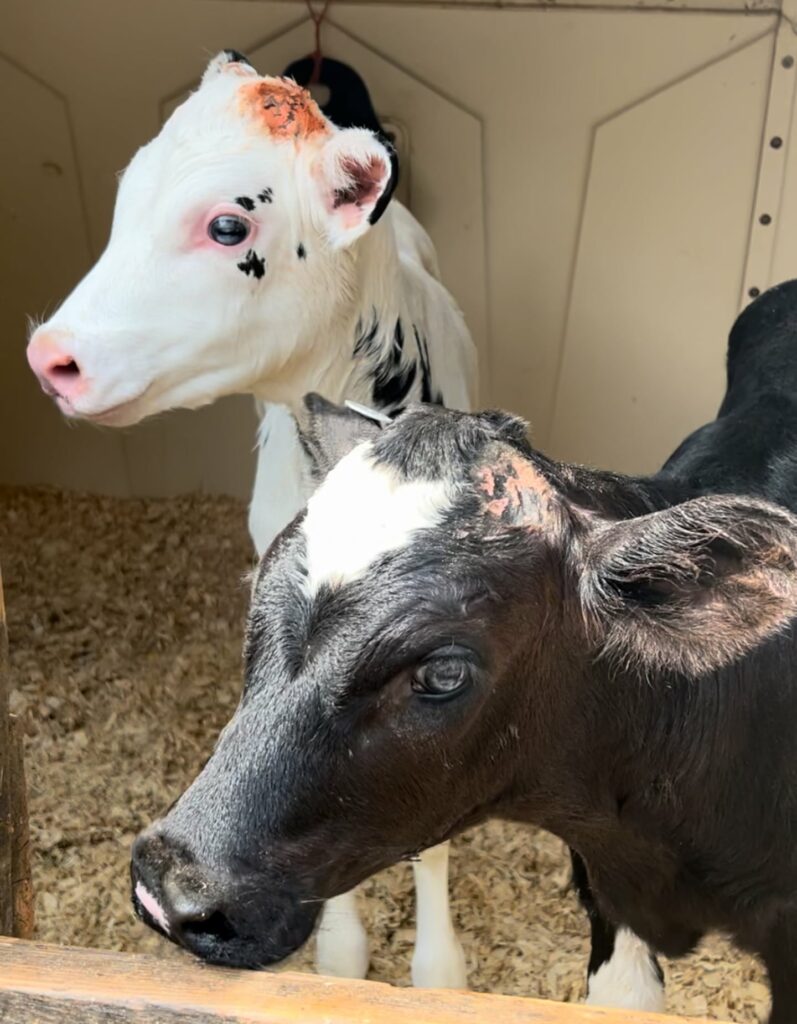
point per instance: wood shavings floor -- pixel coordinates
(125, 622)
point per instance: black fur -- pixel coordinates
(428, 394)
(393, 377)
(235, 57)
(266, 196)
(301, 252)
(340, 433)
(602, 932)
(247, 203)
(387, 192)
(365, 337)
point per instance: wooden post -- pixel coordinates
(16, 889)
(42, 984)
(21, 880)
(6, 827)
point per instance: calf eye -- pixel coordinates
(229, 229)
(440, 678)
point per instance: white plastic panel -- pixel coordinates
(44, 248)
(659, 264)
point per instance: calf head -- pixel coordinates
(228, 253)
(417, 642)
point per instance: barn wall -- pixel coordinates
(588, 175)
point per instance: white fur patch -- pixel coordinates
(629, 979)
(152, 907)
(362, 511)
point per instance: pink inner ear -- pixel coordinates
(365, 184)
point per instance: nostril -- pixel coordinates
(65, 371)
(217, 926)
(50, 356)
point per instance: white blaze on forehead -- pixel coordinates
(361, 511)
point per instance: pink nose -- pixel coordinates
(55, 366)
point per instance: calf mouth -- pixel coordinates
(123, 414)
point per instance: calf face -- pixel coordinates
(419, 643)
(227, 257)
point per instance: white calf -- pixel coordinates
(253, 251)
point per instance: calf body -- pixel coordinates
(685, 805)
(610, 658)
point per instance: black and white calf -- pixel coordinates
(459, 627)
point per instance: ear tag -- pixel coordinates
(370, 414)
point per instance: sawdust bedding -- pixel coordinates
(125, 622)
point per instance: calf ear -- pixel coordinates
(356, 175)
(692, 587)
(331, 431)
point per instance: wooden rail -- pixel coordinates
(41, 984)
(16, 890)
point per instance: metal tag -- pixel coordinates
(368, 412)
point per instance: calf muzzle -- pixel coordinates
(50, 358)
(236, 920)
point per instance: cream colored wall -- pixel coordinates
(588, 175)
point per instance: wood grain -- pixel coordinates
(41, 984)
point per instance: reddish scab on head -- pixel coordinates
(283, 108)
(518, 494)
(486, 481)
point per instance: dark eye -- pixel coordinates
(229, 229)
(442, 677)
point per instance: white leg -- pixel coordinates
(629, 979)
(438, 961)
(282, 485)
(341, 941)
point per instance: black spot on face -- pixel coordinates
(266, 196)
(301, 252)
(247, 203)
(253, 264)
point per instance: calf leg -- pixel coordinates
(622, 971)
(281, 481)
(780, 957)
(341, 942)
(438, 961)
